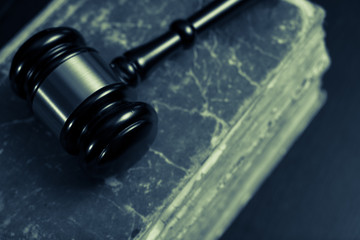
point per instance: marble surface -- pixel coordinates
(199, 95)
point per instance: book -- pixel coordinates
(229, 108)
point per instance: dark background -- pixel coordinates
(314, 193)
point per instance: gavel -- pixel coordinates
(88, 104)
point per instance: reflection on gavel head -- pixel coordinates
(74, 92)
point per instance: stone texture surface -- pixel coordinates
(199, 95)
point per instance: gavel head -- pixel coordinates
(73, 91)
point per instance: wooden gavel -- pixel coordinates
(90, 105)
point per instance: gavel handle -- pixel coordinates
(215, 11)
(135, 64)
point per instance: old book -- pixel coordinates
(229, 108)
